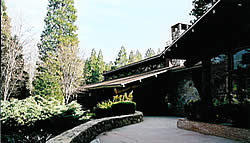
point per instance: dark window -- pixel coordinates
(241, 73)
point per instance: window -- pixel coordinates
(241, 73)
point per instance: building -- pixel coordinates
(215, 53)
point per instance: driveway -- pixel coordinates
(156, 130)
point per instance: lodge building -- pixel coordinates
(206, 60)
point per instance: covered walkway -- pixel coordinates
(156, 130)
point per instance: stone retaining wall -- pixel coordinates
(86, 132)
(215, 130)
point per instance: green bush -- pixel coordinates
(121, 104)
(34, 109)
(121, 108)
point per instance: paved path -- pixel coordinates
(157, 130)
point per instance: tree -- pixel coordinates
(149, 53)
(159, 51)
(121, 59)
(47, 79)
(200, 7)
(30, 67)
(91, 69)
(70, 70)
(101, 65)
(138, 56)
(59, 26)
(109, 66)
(58, 42)
(131, 58)
(12, 62)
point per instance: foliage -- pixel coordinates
(149, 53)
(131, 57)
(36, 119)
(70, 70)
(138, 56)
(58, 71)
(124, 107)
(121, 104)
(197, 110)
(59, 26)
(101, 65)
(94, 68)
(121, 59)
(29, 111)
(91, 69)
(159, 51)
(13, 81)
(109, 66)
(237, 113)
(5, 24)
(46, 83)
(200, 7)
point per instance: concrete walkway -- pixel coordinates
(156, 130)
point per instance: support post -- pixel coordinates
(229, 77)
(206, 81)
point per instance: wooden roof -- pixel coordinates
(225, 24)
(121, 82)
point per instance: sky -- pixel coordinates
(109, 24)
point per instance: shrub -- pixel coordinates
(199, 111)
(19, 114)
(121, 104)
(237, 113)
(241, 115)
(125, 107)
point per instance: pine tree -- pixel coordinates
(46, 84)
(101, 65)
(138, 56)
(121, 59)
(131, 58)
(91, 69)
(149, 53)
(108, 66)
(5, 27)
(59, 32)
(59, 26)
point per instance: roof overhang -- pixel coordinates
(122, 82)
(223, 27)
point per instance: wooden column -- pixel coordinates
(206, 81)
(229, 77)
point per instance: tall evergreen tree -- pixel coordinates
(91, 69)
(200, 7)
(149, 53)
(138, 56)
(47, 82)
(59, 26)
(59, 31)
(131, 57)
(101, 65)
(108, 66)
(121, 59)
